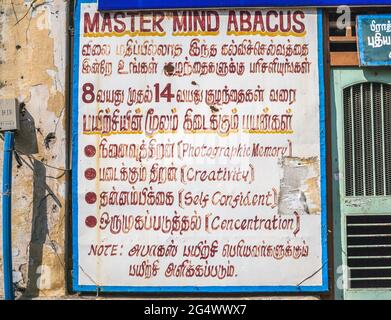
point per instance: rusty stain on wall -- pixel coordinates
(33, 52)
(299, 187)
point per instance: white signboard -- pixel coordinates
(198, 151)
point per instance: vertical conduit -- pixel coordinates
(6, 214)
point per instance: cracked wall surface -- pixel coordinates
(33, 58)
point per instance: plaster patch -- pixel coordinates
(299, 187)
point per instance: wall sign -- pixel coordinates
(170, 4)
(9, 115)
(374, 39)
(198, 151)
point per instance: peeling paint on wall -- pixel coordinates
(33, 55)
(299, 188)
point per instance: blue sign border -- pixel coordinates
(172, 4)
(223, 289)
(361, 45)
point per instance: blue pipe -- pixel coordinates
(7, 231)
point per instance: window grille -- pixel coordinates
(367, 111)
(369, 251)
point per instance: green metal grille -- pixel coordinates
(367, 121)
(367, 134)
(369, 251)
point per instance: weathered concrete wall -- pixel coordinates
(33, 59)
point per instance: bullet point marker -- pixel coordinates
(90, 174)
(91, 197)
(91, 221)
(90, 151)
